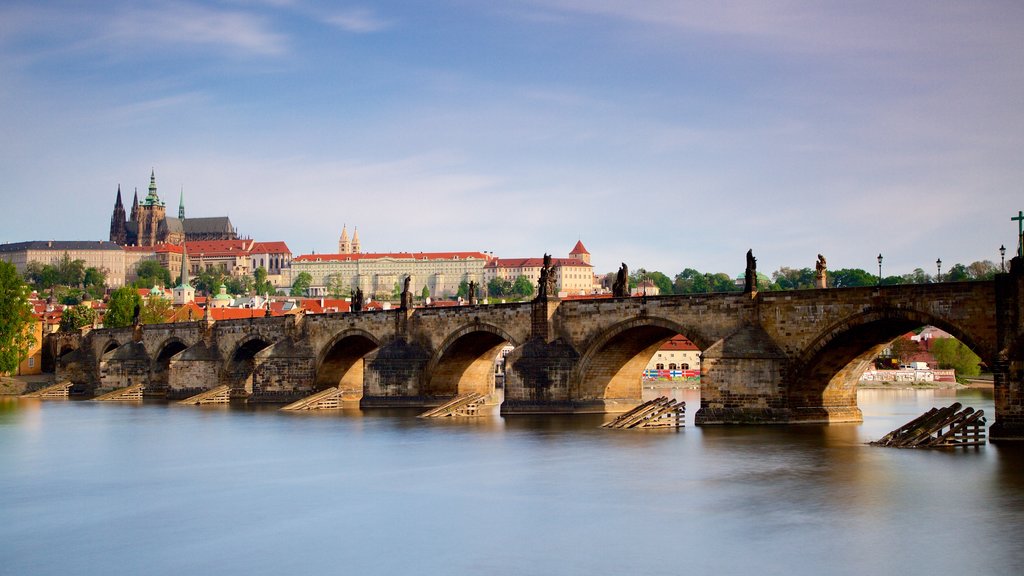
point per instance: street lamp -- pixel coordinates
(938, 270)
(879, 269)
(1002, 258)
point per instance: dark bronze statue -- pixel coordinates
(620, 288)
(406, 303)
(357, 300)
(546, 283)
(750, 278)
(472, 293)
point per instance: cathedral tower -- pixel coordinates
(119, 222)
(344, 245)
(151, 213)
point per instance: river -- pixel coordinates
(101, 488)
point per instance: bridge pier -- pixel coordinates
(393, 376)
(195, 370)
(1008, 368)
(283, 373)
(741, 381)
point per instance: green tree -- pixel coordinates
(70, 272)
(851, 277)
(522, 287)
(155, 310)
(425, 293)
(301, 284)
(982, 270)
(793, 279)
(209, 280)
(663, 282)
(950, 353)
(957, 273)
(499, 287)
(918, 276)
(337, 288)
(150, 273)
(261, 285)
(75, 318)
(121, 307)
(15, 318)
(95, 282)
(463, 291)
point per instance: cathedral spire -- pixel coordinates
(355, 241)
(152, 199)
(181, 205)
(117, 203)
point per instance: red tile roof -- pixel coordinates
(579, 249)
(219, 247)
(679, 342)
(392, 255)
(270, 248)
(534, 263)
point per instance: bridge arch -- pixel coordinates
(241, 364)
(160, 373)
(612, 363)
(465, 361)
(825, 374)
(341, 362)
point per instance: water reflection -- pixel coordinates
(167, 489)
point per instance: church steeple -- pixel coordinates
(181, 205)
(152, 199)
(135, 206)
(118, 223)
(344, 245)
(355, 241)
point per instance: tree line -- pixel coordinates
(692, 281)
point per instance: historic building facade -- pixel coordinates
(573, 275)
(102, 255)
(378, 273)
(148, 223)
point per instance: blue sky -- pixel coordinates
(665, 134)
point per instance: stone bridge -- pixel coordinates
(769, 357)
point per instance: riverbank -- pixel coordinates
(18, 385)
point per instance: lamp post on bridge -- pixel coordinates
(879, 269)
(938, 270)
(1002, 258)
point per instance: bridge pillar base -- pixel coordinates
(598, 406)
(826, 415)
(713, 416)
(1004, 430)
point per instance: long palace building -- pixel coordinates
(440, 272)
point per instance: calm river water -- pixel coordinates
(94, 488)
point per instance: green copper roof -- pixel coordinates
(152, 199)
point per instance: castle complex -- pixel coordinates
(149, 225)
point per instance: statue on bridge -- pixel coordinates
(406, 303)
(750, 278)
(820, 270)
(546, 283)
(472, 293)
(620, 288)
(357, 300)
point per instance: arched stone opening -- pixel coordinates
(613, 366)
(342, 364)
(160, 376)
(239, 370)
(465, 363)
(822, 383)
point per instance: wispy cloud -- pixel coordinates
(357, 20)
(188, 24)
